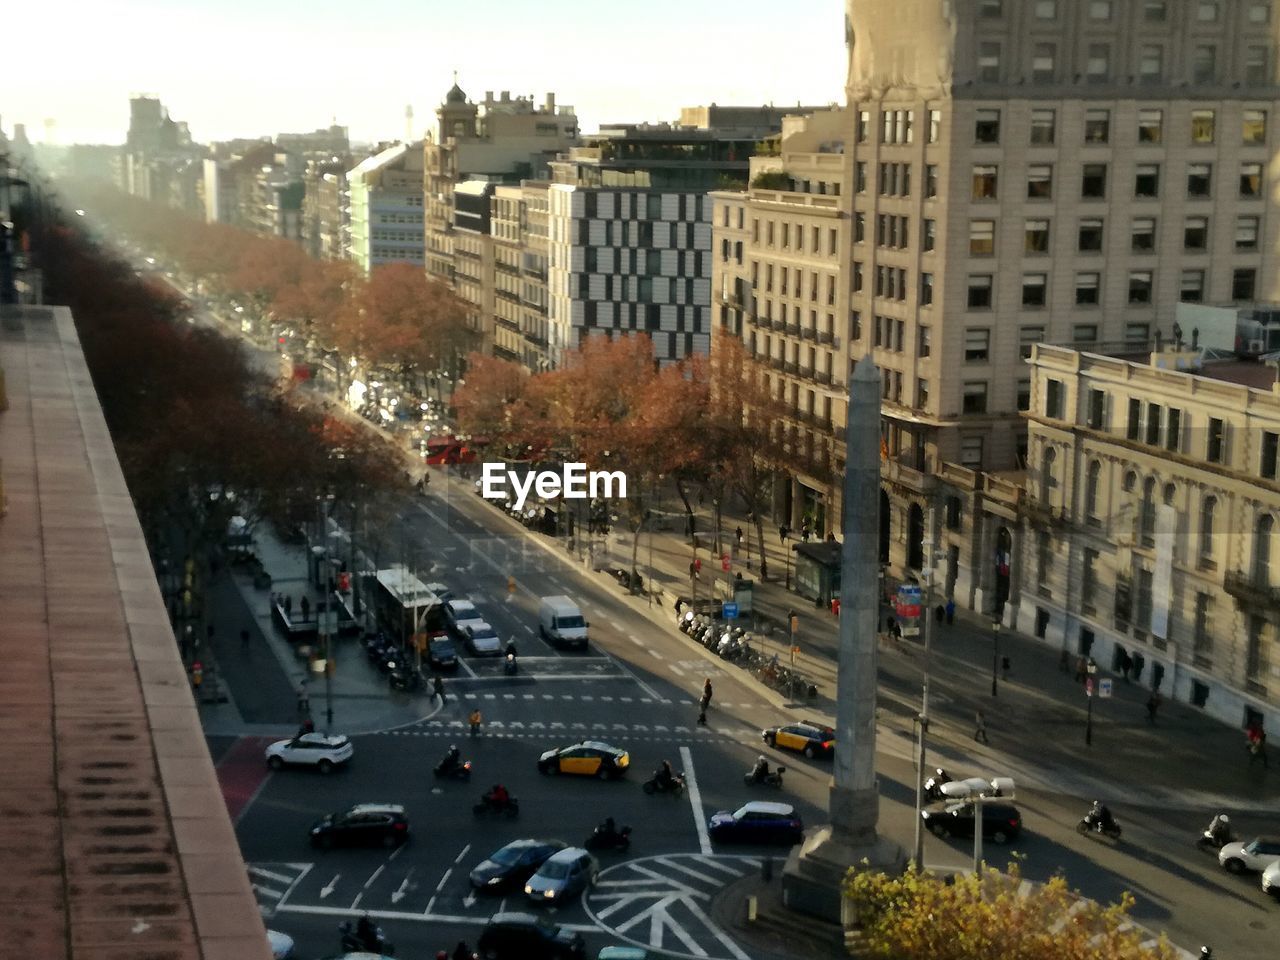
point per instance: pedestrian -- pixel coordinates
(437, 688)
(939, 613)
(475, 720)
(1126, 664)
(288, 605)
(1257, 745)
(980, 727)
(705, 701)
(693, 570)
(740, 536)
(951, 611)
(783, 532)
(306, 607)
(1004, 667)
(1153, 704)
(679, 604)
(308, 726)
(244, 639)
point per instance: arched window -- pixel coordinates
(1048, 481)
(1091, 482)
(1130, 481)
(1262, 550)
(1207, 512)
(1147, 518)
(1170, 492)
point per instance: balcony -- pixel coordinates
(792, 329)
(1249, 592)
(824, 336)
(823, 377)
(808, 333)
(776, 363)
(790, 366)
(778, 324)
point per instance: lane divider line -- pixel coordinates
(695, 800)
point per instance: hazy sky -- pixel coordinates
(251, 67)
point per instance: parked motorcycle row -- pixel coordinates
(733, 644)
(390, 660)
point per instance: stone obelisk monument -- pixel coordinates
(812, 877)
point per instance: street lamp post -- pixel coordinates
(1091, 670)
(995, 653)
(922, 720)
(786, 555)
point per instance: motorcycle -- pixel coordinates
(454, 770)
(684, 623)
(654, 785)
(510, 666)
(1092, 824)
(1212, 842)
(404, 678)
(352, 942)
(933, 786)
(510, 807)
(602, 839)
(772, 778)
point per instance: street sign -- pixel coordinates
(1104, 687)
(910, 600)
(730, 610)
(1088, 687)
(724, 562)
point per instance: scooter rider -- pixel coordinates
(367, 932)
(451, 758)
(761, 770)
(608, 829)
(1101, 815)
(1220, 830)
(665, 776)
(498, 797)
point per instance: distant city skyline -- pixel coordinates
(298, 66)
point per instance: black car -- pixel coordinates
(364, 825)
(1001, 822)
(442, 654)
(522, 936)
(515, 863)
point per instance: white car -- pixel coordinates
(460, 614)
(310, 750)
(482, 639)
(281, 945)
(1257, 854)
(1271, 880)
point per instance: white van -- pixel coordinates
(561, 623)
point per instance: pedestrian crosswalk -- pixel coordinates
(480, 696)
(664, 903)
(273, 882)
(515, 729)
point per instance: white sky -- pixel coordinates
(251, 67)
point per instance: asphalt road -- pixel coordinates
(637, 687)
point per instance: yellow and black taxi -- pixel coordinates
(591, 758)
(811, 739)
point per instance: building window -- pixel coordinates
(1173, 432)
(1216, 445)
(1100, 9)
(1097, 67)
(982, 238)
(1089, 236)
(1262, 550)
(1142, 237)
(1133, 426)
(1024, 395)
(1203, 124)
(1155, 11)
(1089, 581)
(1084, 332)
(1256, 666)
(1150, 126)
(980, 292)
(859, 227)
(926, 289)
(1139, 286)
(1034, 287)
(1042, 127)
(1195, 233)
(1036, 236)
(1207, 11)
(935, 125)
(1204, 63)
(1039, 181)
(864, 125)
(1270, 458)
(1046, 9)
(1253, 128)
(1087, 286)
(971, 452)
(1054, 405)
(1042, 62)
(922, 393)
(1260, 12)
(928, 229)
(1202, 632)
(984, 182)
(1154, 412)
(1146, 181)
(1191, 287)
(1199, 178)
(1150, 63)
(1137, 333)
(1246, 233)
(1250, 180)
(1243, 283)
(1093, 183)
(924, 341)
(1097, 126)
(974, 398)
(1256, 66)
(1097, 409)
(986, 127)
(1092, 481)
(977, 345)
(860, 177)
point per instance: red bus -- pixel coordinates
(447, 450)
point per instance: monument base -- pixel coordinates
(813, 878)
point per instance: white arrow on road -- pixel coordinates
(329, 888)
(559, 726)
(469, 900)
(399, 894)
(515, 724)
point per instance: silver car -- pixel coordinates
(482, 639)
(564, 875)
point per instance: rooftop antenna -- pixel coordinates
(408, 123)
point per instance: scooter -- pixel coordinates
(772, 778)
(1091, 824)
(602, 839)
(354, 943)
(654, 785)
(510, 807)
(404, 678)
(933, 786)
(684, 622)
(510, 666)
(454, 771)
(1211, 842)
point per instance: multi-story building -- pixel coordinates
(1150, 526)
(386, 207)
(232, 165)
(326, 208)
(1019, 172)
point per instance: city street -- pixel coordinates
(636, 687)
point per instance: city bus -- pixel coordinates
(404, 605)
(447, 450)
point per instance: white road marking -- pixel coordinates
(427, 917)
(329, 887)
(527, 628)
(265, 890)
(469, 900)
(278, 877)
(677, 865)
(461, 854)
(634, 639)
(695, 800)
(616, 625)
(399, 893)
(369, 882)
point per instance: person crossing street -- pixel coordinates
(705, 701)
